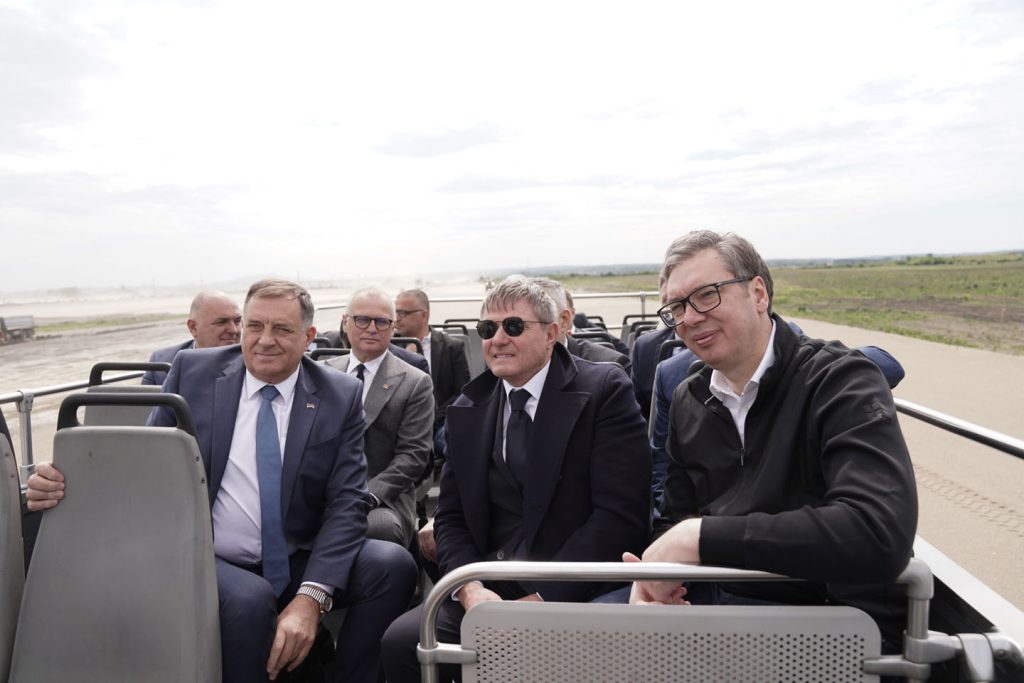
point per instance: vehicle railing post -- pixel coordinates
(24, 405)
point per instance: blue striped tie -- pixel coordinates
(268, 472)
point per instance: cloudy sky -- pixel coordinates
(186, 141)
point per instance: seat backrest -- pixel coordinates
(593, 642)
(122, 584)
(475, 353)
(118, 416)
(12, 562)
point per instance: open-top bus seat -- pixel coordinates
(475, 353)
(451, 328)
(122, 584)
(669, 347)
(405, 341)
(328, 352)
(533, 642)
(110, 415)
(12, 562)
(630, 321)
(595, 642)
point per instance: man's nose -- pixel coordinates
(691, 316)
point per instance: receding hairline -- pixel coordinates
(371, 293)
(206, 296)
(273, 288)
(421, 297)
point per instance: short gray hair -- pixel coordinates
(273, 288)
(371, 293)
(555, 290)
(419, 295)
(515, 288)
(739, 256)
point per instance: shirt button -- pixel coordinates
(501, 554)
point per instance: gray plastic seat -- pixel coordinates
(475, 353)
(108, 415)
(122, 584)
(574, 642)
(12, 561)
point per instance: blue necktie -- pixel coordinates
(268, 472)
(517, 434)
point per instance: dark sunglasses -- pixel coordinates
(513, 326)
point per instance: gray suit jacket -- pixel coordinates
(399, 413)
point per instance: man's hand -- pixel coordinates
(472, 594)
(296, 630)
(681, 543)
(532, 597)
(428, 547)
(45, 487)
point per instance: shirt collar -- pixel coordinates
(286, 387)
(371, 365)
(534, 386)
(719, 385)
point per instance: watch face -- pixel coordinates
(327, 604)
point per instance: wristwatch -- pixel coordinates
(322, 597)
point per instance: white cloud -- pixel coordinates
(194, 140)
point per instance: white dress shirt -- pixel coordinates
(534, 387)
(426, 351)
(370, 368)
(237, 536)
(739, 404)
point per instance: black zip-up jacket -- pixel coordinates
(822, 490)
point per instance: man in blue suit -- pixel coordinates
(213, 320)
(278, 568)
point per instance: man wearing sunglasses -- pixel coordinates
(547, 460)
(398, 404)
(785, 454)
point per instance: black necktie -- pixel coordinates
(517, 434)
(359, 372)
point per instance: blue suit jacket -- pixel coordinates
(644, 359)
(587, 498)
(323, 480)
(164, 355)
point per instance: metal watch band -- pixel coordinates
(321, 596)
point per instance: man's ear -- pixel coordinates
(310, 334)
(760, 292)
(192, 327)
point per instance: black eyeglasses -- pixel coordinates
(513, 326)
(703, 299)
(363, 322)
(401, 312)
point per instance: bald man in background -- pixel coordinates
(214, 319)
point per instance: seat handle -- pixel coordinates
(96, 374)
(68, 415)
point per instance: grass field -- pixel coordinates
(91, 323)
(975, 301)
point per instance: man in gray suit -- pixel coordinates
(398, 402)
(213, 320)
(581, 348)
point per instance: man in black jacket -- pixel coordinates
(785, 454)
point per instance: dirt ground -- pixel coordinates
(971, 507)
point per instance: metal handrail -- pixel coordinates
(968, 430)
(916, 577)
(24, 398)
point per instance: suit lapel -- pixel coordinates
(470, 455)
(383, 386)
(437, 342)
(557, 412)
(305, 405)
(227, 390)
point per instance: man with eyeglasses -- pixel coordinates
(446, 354)
(398, 405)
(547, 460)
(785, 453)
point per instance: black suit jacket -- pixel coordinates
(323, 478)
(645, 359)
(588, 495)
(164, 355)
(588, 350)
(449, 369)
